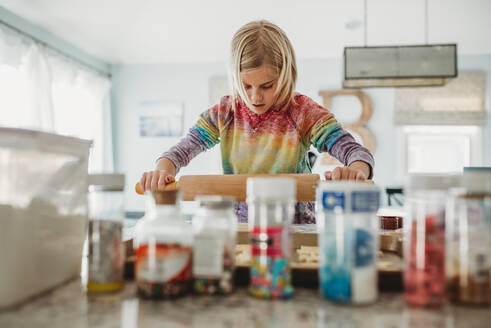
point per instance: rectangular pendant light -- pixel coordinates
(399, 66)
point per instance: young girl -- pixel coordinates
(265, 126)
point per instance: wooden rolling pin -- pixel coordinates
(235, 185)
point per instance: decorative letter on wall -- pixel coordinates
(358, 127)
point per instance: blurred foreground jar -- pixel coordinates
(163, 244)
(348, 241)
(468, 222)
(271, 208)
(215, 231)
(106, 215)
(424, 239)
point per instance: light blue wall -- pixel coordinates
(133, 84)
(47, 37)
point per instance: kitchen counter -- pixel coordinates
(69, 306)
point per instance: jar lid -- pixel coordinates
(271, 188)
(107, 181)
(216, 202)
(434, 181)
(477, 179)
(391, 212)
(166, 197)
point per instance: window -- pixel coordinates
(13, 104)
(42, 90)
(438, 149)
(440, 128)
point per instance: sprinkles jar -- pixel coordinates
(271, 210)
(163, 244)
(214, 232)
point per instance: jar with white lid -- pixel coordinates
(214, 236)
(468, 239)
(424, 238)
(163, 247)
(348, 241)
(271, 208)
(105, 233)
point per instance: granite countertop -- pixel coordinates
(69, 306)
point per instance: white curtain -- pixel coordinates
(40, 89)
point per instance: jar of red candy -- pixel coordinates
(424, 239)
(468, 232)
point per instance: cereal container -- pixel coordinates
(215, 230)
(468, 239)
(424, 239)
(271, 205)
(106, 251)
(348, 240)
(163, 243)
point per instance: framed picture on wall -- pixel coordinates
(161, 118)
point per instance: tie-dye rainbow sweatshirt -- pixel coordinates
(273, 142)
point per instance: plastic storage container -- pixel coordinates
(214, 239)
(348, 241)
(43, 211)
(468, 231)
(163, 244)
(271, 208)
(105, 233)
(424, 239)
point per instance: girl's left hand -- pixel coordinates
(355, 171)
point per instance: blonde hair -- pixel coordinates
(258, 43)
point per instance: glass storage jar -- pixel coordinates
(468, 239)
(105, 233)
(271, 206)
(163, 244)
(214, 236)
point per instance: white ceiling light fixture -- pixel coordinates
(399, 66)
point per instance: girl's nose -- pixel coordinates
(256, 96)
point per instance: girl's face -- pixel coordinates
(260, 84)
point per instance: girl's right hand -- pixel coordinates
(155, 180)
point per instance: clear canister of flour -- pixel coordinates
(105, 233)
(348, 240)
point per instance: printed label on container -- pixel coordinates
(332, 200)
(364, 248)
(272, 241)
(208, 256)
(365, 201)
(163, 263)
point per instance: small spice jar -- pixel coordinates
(105, 232)
(271, 208)
(214, 235)
(163, 243)
(468, 239)
(424, 239)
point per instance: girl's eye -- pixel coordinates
(268, 87)
(247, 87)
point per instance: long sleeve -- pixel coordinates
(321, 130)
(347, 151)
(202, 136)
